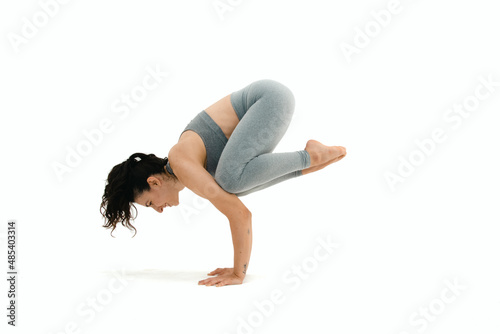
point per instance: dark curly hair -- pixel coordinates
(126, 181)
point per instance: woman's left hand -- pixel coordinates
(225, 276)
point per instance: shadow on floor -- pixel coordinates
(172, 275)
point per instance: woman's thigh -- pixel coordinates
(266, 108)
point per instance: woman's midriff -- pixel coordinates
(223, 114)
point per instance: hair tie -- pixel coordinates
(134, 158)
(132, 161)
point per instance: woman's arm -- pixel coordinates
(196, 178)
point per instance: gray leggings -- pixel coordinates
(247, 164)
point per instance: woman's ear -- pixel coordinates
(153, 181)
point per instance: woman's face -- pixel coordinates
(164, 193)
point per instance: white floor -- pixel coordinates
(342, 250)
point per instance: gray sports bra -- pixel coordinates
(212, 136)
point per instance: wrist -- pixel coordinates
(239, 273)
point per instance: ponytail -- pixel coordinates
(125, 182)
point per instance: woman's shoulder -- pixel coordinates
(190, 147)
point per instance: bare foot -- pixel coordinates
(322, 155)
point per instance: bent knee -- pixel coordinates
(227, 178)
(276, 90)
(228, 185)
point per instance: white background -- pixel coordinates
(397, 247)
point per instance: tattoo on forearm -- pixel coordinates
(248, 231)
(245, 269)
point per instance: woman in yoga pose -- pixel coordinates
(225, 152)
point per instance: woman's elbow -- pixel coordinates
(247, 214)
(241, 214)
